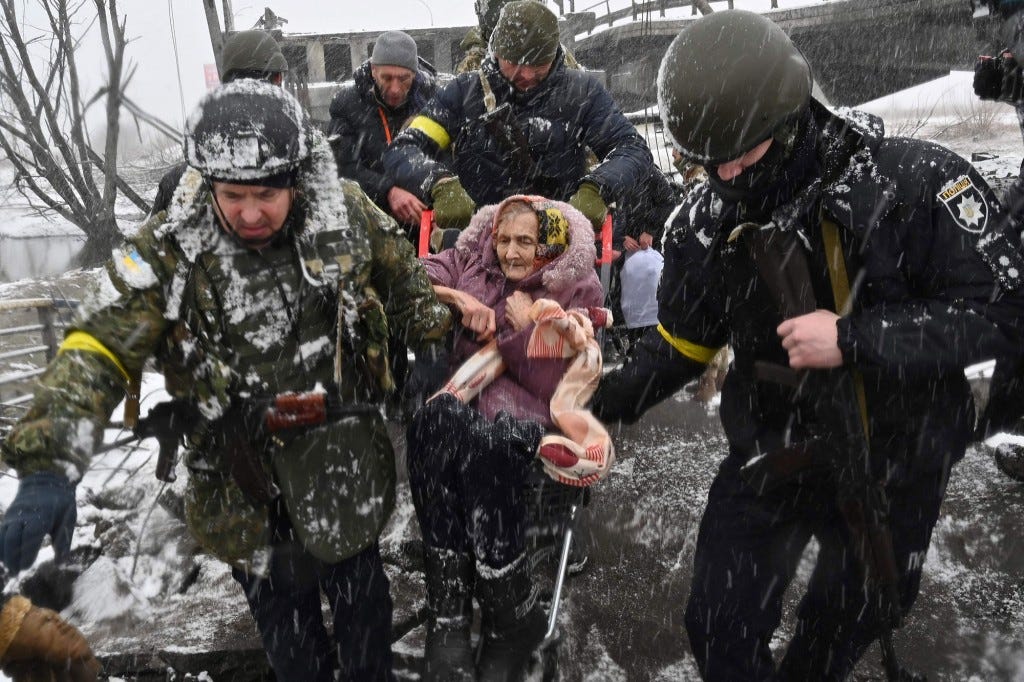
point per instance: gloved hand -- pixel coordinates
(427, 374)
(588, 201)
(37, 644)
(44, 505)
(453, 207)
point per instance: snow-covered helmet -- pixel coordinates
(246, 131)
(727, 82)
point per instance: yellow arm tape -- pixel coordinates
(695, 352)
(88, 343)
(432, 129)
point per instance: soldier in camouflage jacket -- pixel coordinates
(266, 275)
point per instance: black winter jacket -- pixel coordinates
(559, 118)
(646, 208)
(357, 130)
(936, 281)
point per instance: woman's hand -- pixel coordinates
(476, 317)
(517, 310)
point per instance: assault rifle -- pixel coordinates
(244, 431)
(841, 413)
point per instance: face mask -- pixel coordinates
(777, 176)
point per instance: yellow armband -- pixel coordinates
(695, 352)
(90, 344)
(432, 129)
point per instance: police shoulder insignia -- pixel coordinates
(966, 203)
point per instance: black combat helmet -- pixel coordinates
(246, 131)
(727, 83)
(251, 54)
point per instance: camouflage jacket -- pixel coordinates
(224, 322)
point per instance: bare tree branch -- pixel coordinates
(43, 114)
(123, 186)
(53, 126)
(115, 62)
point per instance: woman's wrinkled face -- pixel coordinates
(516, 245)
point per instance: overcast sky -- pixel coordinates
(155, 85)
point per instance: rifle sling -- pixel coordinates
(844, 302)
(512, 137)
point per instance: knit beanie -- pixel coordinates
(395, 48)
(527, 33)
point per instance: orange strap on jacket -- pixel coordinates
(384, 120)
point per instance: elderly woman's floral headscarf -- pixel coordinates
(552, 230)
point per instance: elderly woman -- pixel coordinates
(468, 464)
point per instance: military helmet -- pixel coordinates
(487, 13)
(727, 82)
(251, 52)
(247, 130)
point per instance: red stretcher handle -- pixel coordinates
(426, 225)
(605, 256)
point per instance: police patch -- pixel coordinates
(966, 204)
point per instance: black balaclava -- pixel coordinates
(784, 170)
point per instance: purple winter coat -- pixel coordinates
(526, 387)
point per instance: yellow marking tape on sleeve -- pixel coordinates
(432, 129)
(695, 352)
(88, 343)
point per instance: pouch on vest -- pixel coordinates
(338, 482)
(222, 519)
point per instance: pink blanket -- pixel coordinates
(583, 453)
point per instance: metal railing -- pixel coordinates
(26, 347)
(644, 10)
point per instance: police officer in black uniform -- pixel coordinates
(933, 286)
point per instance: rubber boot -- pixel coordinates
(449, 654)
(514, 624)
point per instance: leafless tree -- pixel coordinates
(43, 129)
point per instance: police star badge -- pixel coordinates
(966, 203)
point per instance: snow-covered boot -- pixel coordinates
(513, 622)
(449, 654)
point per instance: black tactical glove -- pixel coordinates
(44, 505)
(999, 79)
(428, 373)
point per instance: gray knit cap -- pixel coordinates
(395, 48)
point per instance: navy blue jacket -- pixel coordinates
(936, 281)
(559, 118)
(357, 133)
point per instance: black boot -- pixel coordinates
(449, 654)
(514, 624)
